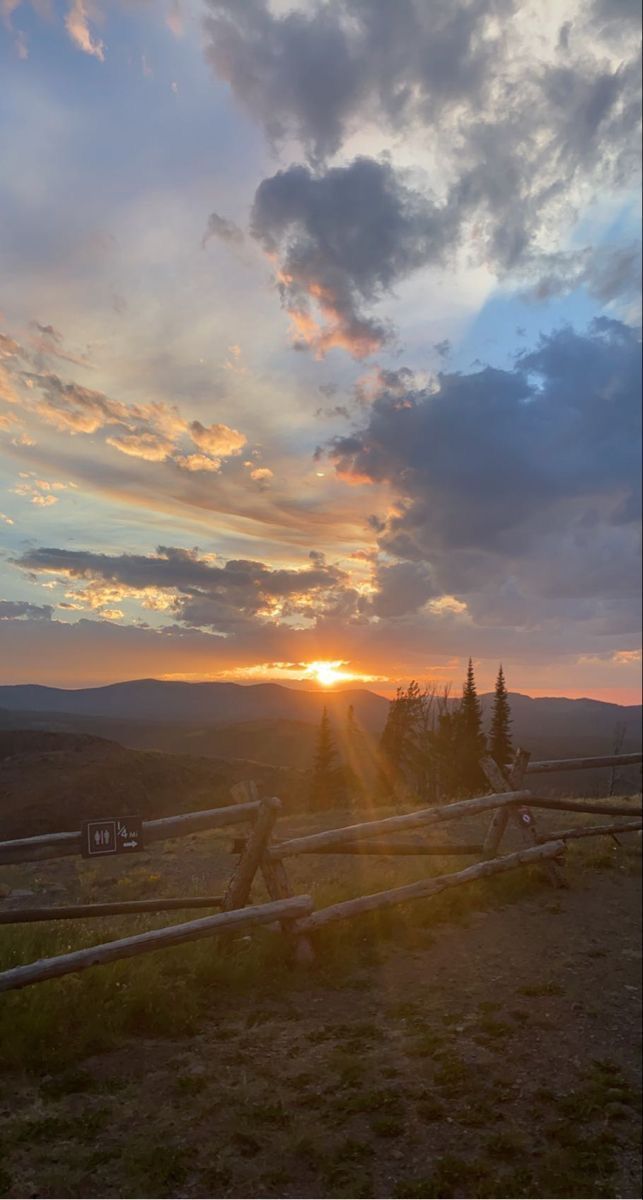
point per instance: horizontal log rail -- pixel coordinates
(430, 887)
(422, 817)
(74, 912)
(584, 764)
(391, 848)
(60, 845)
(154, 939)
(585, 831)
(585, 806)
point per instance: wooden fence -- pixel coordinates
(510, 803)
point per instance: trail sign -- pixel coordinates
(116, 835)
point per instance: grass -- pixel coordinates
(154, 1168)
(167, 993)
(414, 1093)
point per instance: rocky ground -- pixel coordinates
(481, 1050)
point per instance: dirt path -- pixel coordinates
(493, 1057)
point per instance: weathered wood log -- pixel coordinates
(385, 849)
(275, 878)
(154, 939)
(60, 845)
(524, 820)
(430, 887)
(498, 823)
(585, 831)
(240, 883)
(245, 792)
(583, 764)
(421, 817)
(74, 912)
(586, 806)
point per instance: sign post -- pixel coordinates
(114, 835)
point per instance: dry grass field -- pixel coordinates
(482, 1043)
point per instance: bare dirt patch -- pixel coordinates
(474, 1052)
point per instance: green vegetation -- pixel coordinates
(500, 744)
(328, 782)
(255, 1078)
(432, 745)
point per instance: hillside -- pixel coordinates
(51, 781)
(271, 724)
(214, 703)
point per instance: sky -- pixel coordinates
(320, 342)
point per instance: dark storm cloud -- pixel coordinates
(12, 610)
(342, 239)
(402, 588)
(531, 473)
(627, 11)
(314, 73)
(607, 272)
(520, 137)
(203, 593)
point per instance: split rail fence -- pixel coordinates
(511, 805)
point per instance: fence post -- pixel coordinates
(275, 878)
(238, 889)
(523, 819)
(499, 782)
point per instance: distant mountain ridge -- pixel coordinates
(218, 704)
(266, 726)
(215, 703)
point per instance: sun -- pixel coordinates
(328, 673)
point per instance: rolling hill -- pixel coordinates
(214, 703)
(52, 781)
(246, 729)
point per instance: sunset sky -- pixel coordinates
(320, 341)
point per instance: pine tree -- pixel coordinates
(411, 749)
(352, 728)
(500, 745)
(471, 739)
(325, 784)
(393, 744)
(355, 769)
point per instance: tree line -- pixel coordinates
(431, 746)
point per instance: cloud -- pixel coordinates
(145, 445)
(174, 18)
(315, 74)
(222, 228)
(77, 26)
(197, 462)
(608, 272)
(525, 480)
(223, 598)
(402, 588)
(153, 432)
(40, 492)
(526, 128)
(13, 610)
(262, 475)
(218, 440)
(341, 239)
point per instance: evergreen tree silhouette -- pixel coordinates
(471, 739)
(500, 745)
(325, 785)
(355, 769)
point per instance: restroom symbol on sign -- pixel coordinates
(117, 835)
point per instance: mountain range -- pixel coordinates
(226, 703)
(271, 723)
(65, 755)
